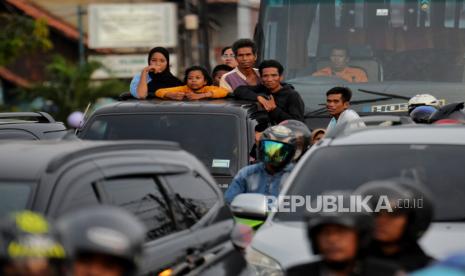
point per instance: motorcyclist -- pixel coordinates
(397, 233)
(303, 136)
(103, 241)
(423, 99)
(28, 246)
(341, 239)
(276, 149)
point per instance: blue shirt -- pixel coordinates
(256, 179)
(135, 82)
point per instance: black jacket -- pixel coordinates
(410, 258)
(366, 267)
(289, 103)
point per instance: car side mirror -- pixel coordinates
(250, 206)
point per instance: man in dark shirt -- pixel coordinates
(280, 100)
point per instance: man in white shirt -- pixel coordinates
(337, 104)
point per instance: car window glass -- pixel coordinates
(82, 196)
(13, 197)
(193, 132)
(142, 197)
(347, 167)
(96, 131)
(193, 195)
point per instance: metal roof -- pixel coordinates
(233, 106)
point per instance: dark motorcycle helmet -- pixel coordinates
(277, 146)
(399, 192)
(362, 222)
(421, 114)
(106, 230)
(452, 111)
(303, 136)
(26, 235)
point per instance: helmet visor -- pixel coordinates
(276, 153)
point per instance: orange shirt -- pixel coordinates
(349, 74)
(217, 92)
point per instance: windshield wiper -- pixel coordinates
(370, 100)
(315, 112)
(384, 94)
(190, 209)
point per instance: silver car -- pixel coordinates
(433, 154)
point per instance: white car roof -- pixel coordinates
(407, 134)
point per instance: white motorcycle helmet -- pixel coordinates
(423, 99)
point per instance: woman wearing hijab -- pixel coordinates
(155, 76)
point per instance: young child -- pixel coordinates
(218, 72)
(198, 86)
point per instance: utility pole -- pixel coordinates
(187, 36)
(204, 46)
(243, 19)
(80, 12)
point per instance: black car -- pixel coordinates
(168, 189)
(30, 126)
(218, 132)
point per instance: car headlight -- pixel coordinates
(260, 264)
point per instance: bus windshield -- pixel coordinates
(398, 46)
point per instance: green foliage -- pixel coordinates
(21, 34)
(70, 87)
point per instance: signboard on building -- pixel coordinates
(124, 66)
(132, 25)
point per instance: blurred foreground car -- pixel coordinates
(168, 189)
(350, 157)
(30, 126)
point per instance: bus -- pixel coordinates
(405, 47)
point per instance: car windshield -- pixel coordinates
(196, 133)
(403, 47)
(13, 197)
(347, 167)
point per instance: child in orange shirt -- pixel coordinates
(198, 86)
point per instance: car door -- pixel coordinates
(201, 207)
(69, 189)
(139, 185)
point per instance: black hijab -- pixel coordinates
(164, 79)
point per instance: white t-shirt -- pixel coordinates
(346, 116)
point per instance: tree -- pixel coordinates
(70, 87)
(21, 34)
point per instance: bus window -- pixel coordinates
(407, 47)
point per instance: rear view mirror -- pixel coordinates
(250, 206)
